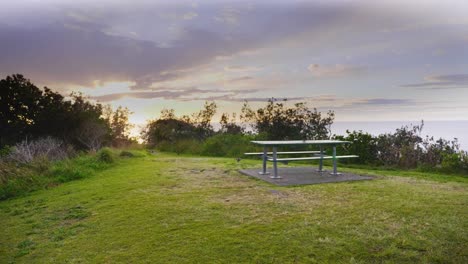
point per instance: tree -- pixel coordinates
(119, 125)
(29, 112)
(171, 130)
(19, 105)
(229, 126)
(92, 134)
(202, 120)
(276, 121)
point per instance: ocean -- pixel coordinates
(438, 129)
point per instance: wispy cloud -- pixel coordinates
(239, 68)
(229, 16)
(190, 15)
(337, 70)
(81, 57)
(451, 81)
(241, 79)
(182, 94)
(383, 101)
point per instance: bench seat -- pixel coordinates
(285, 152)
(314, 158)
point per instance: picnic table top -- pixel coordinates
(299, 142)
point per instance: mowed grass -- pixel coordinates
(169, 209)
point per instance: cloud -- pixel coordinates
(240, 69)
(85, 50)
(451, 81)
(241, 79)
(64, 55)
(337, 70)
(182, 94)
(190, 15)
(231, 98)
(308, 99)
(82, 43)
(383, 101)
(229, 16)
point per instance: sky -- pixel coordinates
(365, 60)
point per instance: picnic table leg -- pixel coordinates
(264, 158)
(321, 160)
(335, 171)
(275, 164)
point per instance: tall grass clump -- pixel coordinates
(105, 155)
(15, 180)
(44, 163)
(132, 153)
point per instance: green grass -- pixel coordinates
(19, 180)
(181, 209)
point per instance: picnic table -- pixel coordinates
(315, 154)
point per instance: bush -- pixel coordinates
(40, 165)
(227, 145)
(455, 163)
(126, 153)
(105, 155)
(182, 146)
(187, 146)
(48, 148)
(362, 144)
(5, 151)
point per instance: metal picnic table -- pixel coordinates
(317, 155)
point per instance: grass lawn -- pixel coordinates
(170, 209)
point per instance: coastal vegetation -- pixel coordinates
(47, 139)
(75, 187)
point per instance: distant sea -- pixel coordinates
(438, 129)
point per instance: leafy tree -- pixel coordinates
(278, 122)
(119, 125)
(167, 114)
(202, 120)
(229, 126)
(170, 130)
(20, 103)
(29, 112)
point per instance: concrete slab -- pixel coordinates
(303, 175)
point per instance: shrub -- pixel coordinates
(40, 165)
(47, 148)
(456, 162)
(227, 145)
(126, 153)
(362, 144)
(5, 151)
(405, 148)
(105, 155)
(182, 146)
(187, 146)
